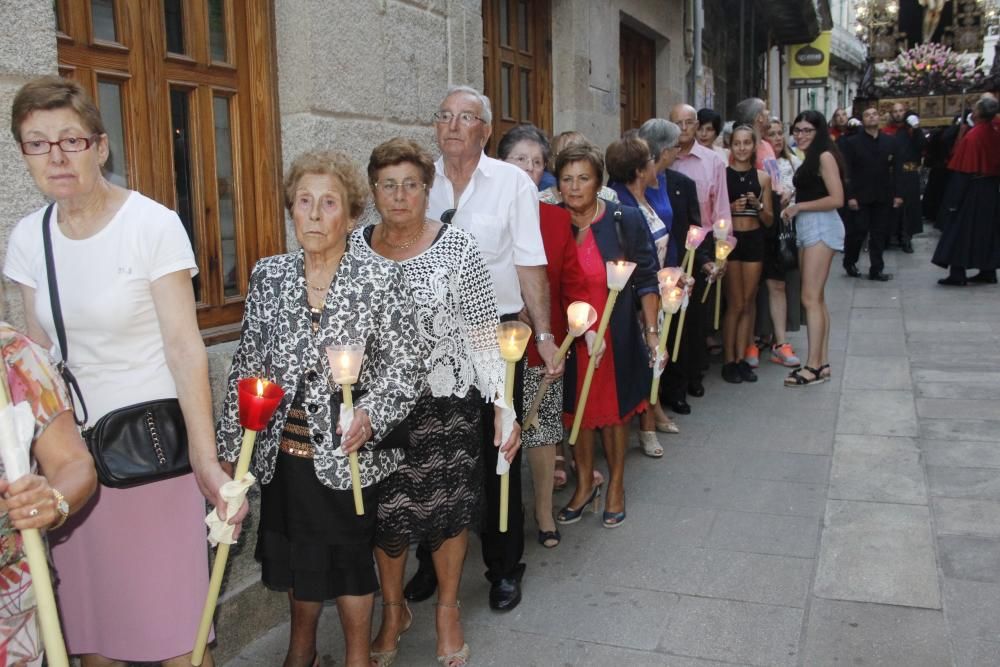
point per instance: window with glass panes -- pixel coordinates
(517, 63)
(187, 92)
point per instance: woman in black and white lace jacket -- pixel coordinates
(310, 543)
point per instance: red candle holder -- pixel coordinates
(258, 401)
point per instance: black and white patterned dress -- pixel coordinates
(309, 540)
(437, 491)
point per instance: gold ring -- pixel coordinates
(33, 512)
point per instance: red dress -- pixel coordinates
(602, 403)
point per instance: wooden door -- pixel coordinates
(638, 78)
(517, 63)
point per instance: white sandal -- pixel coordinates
(651, 446)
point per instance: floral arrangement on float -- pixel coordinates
(928, 68)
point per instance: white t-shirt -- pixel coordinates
(115, 346)
(499, 207)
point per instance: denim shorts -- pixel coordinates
(812, 227)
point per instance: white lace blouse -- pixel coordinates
(456, 312)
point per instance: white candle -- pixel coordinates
(580, 316)
(618, 274)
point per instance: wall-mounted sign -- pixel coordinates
(809, 64)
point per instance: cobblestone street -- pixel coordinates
(852, 523)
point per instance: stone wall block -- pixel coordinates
(414, 62)
(27, 38)
(345, 57)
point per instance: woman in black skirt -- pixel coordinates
(311, 543)
(436, 496)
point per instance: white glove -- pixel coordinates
(853, 122)
(913, 121)
(220, 531)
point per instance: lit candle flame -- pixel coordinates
(260, 387)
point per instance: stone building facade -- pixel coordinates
(351, 73)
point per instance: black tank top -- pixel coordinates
(740, 183)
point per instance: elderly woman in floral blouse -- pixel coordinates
(45, 500)
(435, 497)
(310, 542)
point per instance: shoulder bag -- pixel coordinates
(137, 444)
(788, 251)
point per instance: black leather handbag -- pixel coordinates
(136, 444)
(788, 251)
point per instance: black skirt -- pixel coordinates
(310, 540)
(437, 492)
(971, 218)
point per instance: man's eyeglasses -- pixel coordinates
(392, 187)
(803, 130)
(466, 118)
(525, 161)
(67, 145)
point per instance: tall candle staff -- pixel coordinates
(580, 316)
(345, 367)
(618, 274)
(723, 249)
(670, 302)
(15, 448)
(512, 338)
(258, 399)
(694, 238)
(720, 230)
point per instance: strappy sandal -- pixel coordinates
(459, 658)
(559, 478)
(796, 379)
(825, 372)
(386, 658)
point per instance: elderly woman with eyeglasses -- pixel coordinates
(436, 495)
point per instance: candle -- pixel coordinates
(618, 274)
(720, 229)
(670, 301)
(258, 399)
(668, 277)
(34, 549)
(345, 367)
(694, 238)
(580, 316)
(513, 338)
(722, 251)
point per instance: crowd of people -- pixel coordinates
(419, 260)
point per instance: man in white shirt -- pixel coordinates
(498, 204)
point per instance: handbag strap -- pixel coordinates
(57, 319)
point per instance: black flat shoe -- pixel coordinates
(696, 388)
(746, 372)
(953, 282)
(680, 406)
(852, 270)
(422, 585)
(547, 537)
(984, 279)
(907, 246)
(730, 373)
(505, 594)
(880, 277)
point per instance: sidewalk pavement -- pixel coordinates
(851, 523)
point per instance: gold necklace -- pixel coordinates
(406, 244)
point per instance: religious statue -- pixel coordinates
(932, 16)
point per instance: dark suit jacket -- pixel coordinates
(683, 195)
(874, 167)
(632, 372)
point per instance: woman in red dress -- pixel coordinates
(606, 231)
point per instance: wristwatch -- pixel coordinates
(62, 507)
(542, 337)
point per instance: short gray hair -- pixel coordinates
(484, 101)
(987, 107)
(746, 112)
(660, 134)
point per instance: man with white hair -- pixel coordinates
(498, 204)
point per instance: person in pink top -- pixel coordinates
(702, 165)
